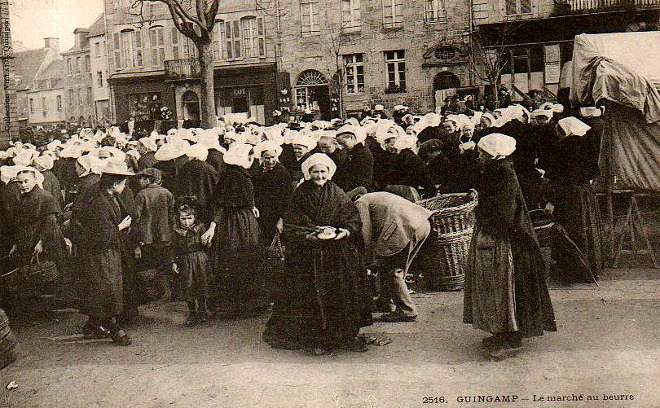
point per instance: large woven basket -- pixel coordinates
(451, 212)
(445, 264)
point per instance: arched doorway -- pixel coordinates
(445, 80)
(312, 92)
(190, 105)
(444, 86)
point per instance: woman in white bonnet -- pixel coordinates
(326, 302)
(505, 292)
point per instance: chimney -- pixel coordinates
(81, 37)
(52, 43)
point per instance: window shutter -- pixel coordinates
(154, 47)
(315, 17)
(262, 37)
(398, 12)
(137, 47)
(117, 51)
(230, 41)
(388, 17)
(174, 35)
(306, 19)
(236, 35)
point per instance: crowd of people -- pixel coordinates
(198, 214)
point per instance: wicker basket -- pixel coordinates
(445, 265)
(451, 212)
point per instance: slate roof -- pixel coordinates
(97, 27)
(26, 65)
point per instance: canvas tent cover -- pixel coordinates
(620, 67)
(623, 68)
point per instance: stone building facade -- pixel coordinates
(386, 51)
(103, 111)
(78, 95)
(152, 65)
(536, 36)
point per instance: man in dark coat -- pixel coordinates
(102, 221)
(199, 179)
(358, 169)
(35, 222)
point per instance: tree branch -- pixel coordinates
(210, 15)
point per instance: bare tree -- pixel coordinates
(195, 19)
(334, 40)
(489, 55)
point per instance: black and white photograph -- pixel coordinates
(330, 203)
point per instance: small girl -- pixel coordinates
(191, 262)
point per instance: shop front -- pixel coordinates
(249, 90)
(144, 99)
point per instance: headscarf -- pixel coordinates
(518, 112)
(198, 151)
(25, 157)
(71, 152)
(209, 139)
(238, 154)
(304, 140)
(171, 151)
(37, 174)
(406, 142)
(497, 145)
(573, 126)
(8, 173)
(265, 146)
(590, 112)
(53, 145)
(318, 158)
(149, 143)
(359, 132)
(236, 137)
(46, 162)
(541, 112)
(490, 118)
(91, 165)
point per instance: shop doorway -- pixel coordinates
(190, 105)
(313, 93)
(444, 85)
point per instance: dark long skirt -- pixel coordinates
(238, 256)
(577, 210)
(505, 289)
(194, 270)
(325, 302)
(101, 284)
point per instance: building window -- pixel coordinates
(514, 7)
(253, 37)
(309, 10)
(188, 48)
(99, 78)
(97, 50)
(59, 102)
(71, 101)
(89, 95)
(80, 96)
(157, 40)
(130, 49)
(174, 40)
(44, 106)
(69, 66)
(233, 39)
(350, 16)
(354, 73)
(434, 11)
(219, 40)
(396, 71)
(78, 65)
(87, 64)
(31, 102)
(392, 13)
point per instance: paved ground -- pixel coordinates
(608, 343)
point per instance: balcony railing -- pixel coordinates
(595, 6)
(182, 68)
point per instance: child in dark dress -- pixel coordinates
(191, 261)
